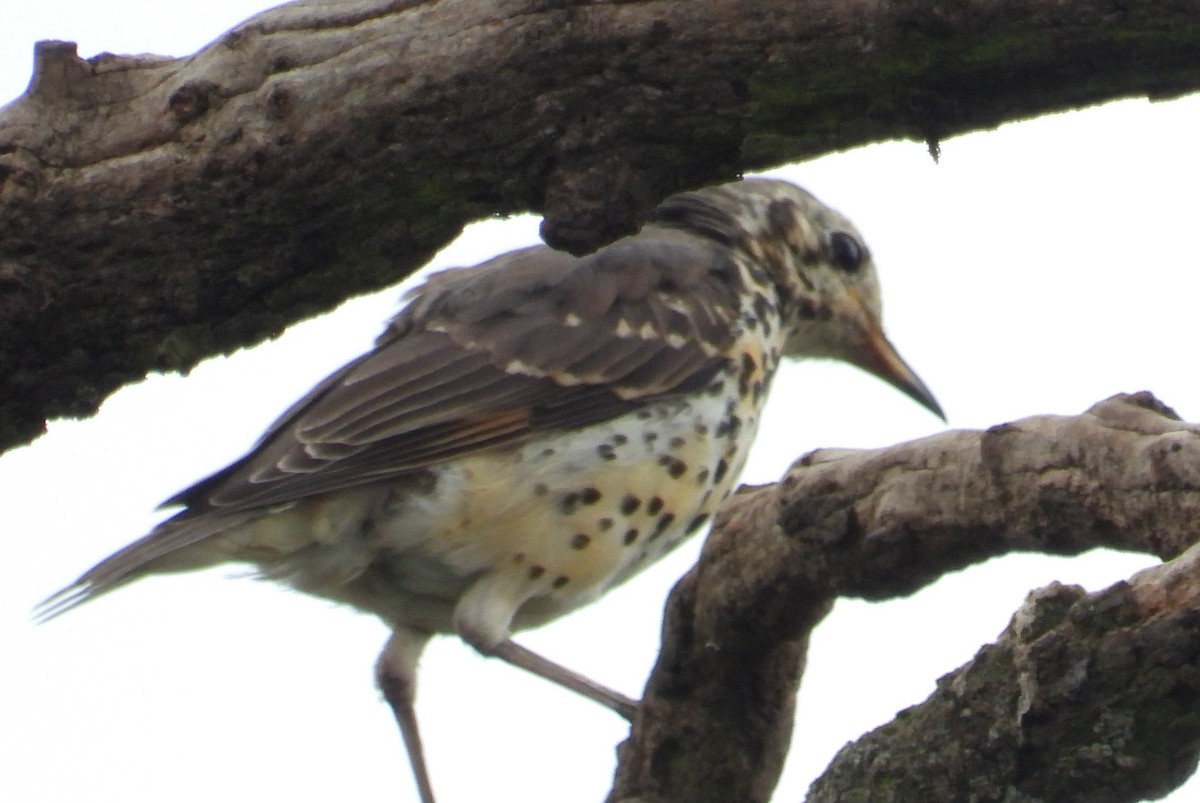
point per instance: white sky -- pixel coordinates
(1038, 269)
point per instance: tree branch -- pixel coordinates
(155, 211)
(1085, 697)
(717, 713)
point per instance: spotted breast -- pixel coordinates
(529, 432)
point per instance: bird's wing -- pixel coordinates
(481, 357)
(487, 356)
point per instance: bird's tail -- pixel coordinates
(165, 549)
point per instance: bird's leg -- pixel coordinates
(483, 618)
(396, 675)
(513, 653)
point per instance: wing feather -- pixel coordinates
(489, 356)
(481, 358)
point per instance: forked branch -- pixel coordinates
(1086, 697)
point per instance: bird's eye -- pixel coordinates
(847, 252)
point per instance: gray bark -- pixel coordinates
(156, 211)
(1084, 698)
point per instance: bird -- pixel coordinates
(532, 431)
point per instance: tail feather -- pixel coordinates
(162, 550)
(62, 601)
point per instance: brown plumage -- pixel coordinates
(476, 472)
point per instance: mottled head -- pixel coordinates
(818, 264)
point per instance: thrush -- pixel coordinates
(532, 431)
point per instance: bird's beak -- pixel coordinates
(879, 357)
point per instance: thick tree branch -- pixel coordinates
(717, 712)
(1085, 697)
(155, 211)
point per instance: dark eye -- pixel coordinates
(847, 253)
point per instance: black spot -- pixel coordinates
(536, 571)
(722, 470)
(580, 540)
(846, 252)
(676, 442)
(756, 391)
(702, 477)
(806, 308)
(630, 504)
(654, 505)
(620, 440)
(630, 536)
(675, 467)
(569, 502)
(749, 368)
(605, 450)
(701, 429)
(696, 523)
(729, 427)
(650, 437)
(605, 524)
(762, 306)
(589, 496)
(664, 522)
(716, 388)
(561, 581)
(645, 414)
(547, 452)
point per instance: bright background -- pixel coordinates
(1038, 269)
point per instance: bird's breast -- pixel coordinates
(563, 518)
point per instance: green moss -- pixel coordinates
(923, 82)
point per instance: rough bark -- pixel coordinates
(1084, 698)
(155, 211)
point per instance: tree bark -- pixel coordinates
(1084, 698)
(156, 211)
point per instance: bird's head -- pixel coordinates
(818, 263)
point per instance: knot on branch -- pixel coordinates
(57, 70)
(590, 204)
(192, 100)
